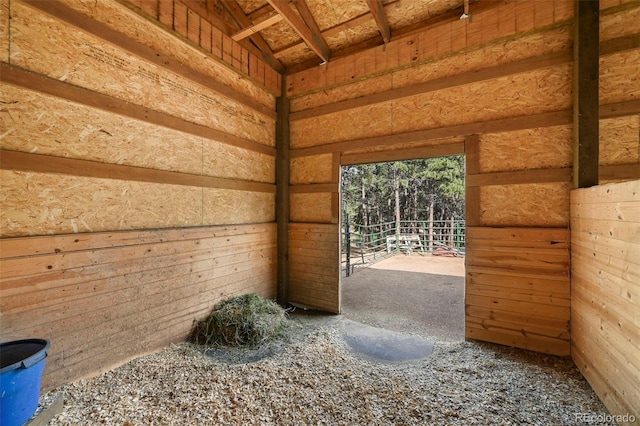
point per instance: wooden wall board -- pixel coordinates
(37, 123)
(542, 204)
(4, 30)
(429, 85)
(306, 96)
(302, 82)
(312, 169)
(232, 162)
(36, 204)
(148, 32)
(314, 273)
(605, 291)
(311, 207)
(618, 77)
(146, 301)
(518, 95)
(99, 66)
(401, 154)
(620, 140)
(539, 148)
(46, 85)
(357, 123)
(518, 287)
(229, 207)
(619, 21)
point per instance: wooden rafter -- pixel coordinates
(243, 21)
(313, 39)
(308, 19)
(377, 10)
(257, 26)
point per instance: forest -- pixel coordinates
(415, 190)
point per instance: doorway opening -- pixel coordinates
(403, 245)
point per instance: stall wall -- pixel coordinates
(605, 292)
(497, 88)
(138, 182)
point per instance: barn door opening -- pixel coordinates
(403, 245)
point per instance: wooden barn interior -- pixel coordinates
(158, 156)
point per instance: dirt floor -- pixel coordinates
(417, 294)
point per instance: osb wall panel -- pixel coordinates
(538, 91)
(541, 148)
(133, 25)
(310, 207)
(96, 65)
(517, 287)
(4, 30)
(605, 292)
(142, 288)
(436, 42)
(38, 123)
(618, 22)
(508, 51)
(406, 146)
(39, 204)
(620, 140)
(312, 169)
(223, 206)
(343, 125)
(619, 79)
(314, 266)
(534, 204)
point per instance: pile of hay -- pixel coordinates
(247, 320)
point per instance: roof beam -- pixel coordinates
(254, 28)
(377, 10)
(243, 21)
(313, 40)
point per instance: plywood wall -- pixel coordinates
(499, 89)
(605, 292)
(137, 174)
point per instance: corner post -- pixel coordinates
(282, 193)
(586, 101)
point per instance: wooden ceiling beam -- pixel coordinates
(243, 21)
(377, 10)
(308, 19)
(255, 27)
(313, 40)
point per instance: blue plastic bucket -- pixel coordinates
(21, 367)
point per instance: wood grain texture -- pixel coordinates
(143, 288)
(314, 266)
(517, 287)
(605, 296)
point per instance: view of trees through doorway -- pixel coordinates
(403, 245)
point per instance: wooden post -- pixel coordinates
(472, 193)
(586, 56)
(282, 193)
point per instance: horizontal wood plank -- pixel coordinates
(37, 163)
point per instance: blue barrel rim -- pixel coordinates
(29, 361)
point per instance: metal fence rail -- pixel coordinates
(363, 245)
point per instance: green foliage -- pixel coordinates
(420, 183)
(247, 320)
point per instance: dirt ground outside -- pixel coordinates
(417, 294)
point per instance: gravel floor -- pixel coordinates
(316, 379)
